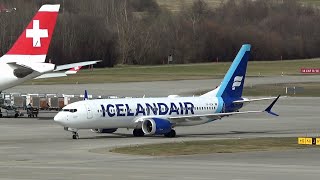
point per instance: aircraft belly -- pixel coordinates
(105, 123)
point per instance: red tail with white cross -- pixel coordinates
(36, 38)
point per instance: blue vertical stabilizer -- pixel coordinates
(232, 84)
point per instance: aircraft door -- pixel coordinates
(89, 111)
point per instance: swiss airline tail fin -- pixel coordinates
(34, 41)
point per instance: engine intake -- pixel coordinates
(156, 126)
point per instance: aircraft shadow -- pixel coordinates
(198, 135)
(271, 132)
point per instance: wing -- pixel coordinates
(245, 100)
(75, 67)
(180, 120)
(69, 66)
(73, 70)
(198, 119)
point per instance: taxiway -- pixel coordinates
(37, 148)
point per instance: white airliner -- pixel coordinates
(159, 116)
(26, 58)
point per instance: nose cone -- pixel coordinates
(59, 119)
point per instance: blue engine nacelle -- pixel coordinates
(156, 126)
(104, 130)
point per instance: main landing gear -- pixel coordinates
(74, 131)
(171, 134)
(138, 133)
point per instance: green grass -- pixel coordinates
(211, 146)
(302, 89)
(176, 5)
(179, 72)
(309, 89)
(311, 2)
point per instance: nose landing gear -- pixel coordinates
(74, 131)
(75, 135)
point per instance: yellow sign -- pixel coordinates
(309, 141)
(301, 140)
(318, 141)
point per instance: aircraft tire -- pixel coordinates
(138, 133)
(75, 136)
(171, 134)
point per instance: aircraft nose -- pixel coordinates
(59, 119)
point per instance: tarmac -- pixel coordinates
(37, 148)
(152, 89)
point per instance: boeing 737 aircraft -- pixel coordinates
(159, 116)
(26, 58)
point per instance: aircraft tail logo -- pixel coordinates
(237, 82)
(36, 38)
(36, 33)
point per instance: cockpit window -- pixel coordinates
(70, 110)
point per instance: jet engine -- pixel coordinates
(104, 130)
(156, 126)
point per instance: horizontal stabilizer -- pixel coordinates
(51, 75)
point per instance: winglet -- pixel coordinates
(85, 95)
(269, 108)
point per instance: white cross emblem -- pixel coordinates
(35, 33)
(237, 82)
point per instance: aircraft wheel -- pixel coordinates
(171, 134)
(75, 136)
(138, 133)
